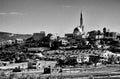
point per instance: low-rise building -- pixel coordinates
(64, 42)
(82, 58)
(107, 54)
(42, 64)
(69, 35)
(38, 36)
(19, 41)
(110, 35)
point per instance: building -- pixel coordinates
(83, 58)
(79, 30)
(41, 64)
(110, 35)
(19, 41)
(69, 35)
(95, 34)
(38, 36)
(64, 42)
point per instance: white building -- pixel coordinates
(43, 64)
(19, 41)
(83, 58)
(107, 54)
(64, 42)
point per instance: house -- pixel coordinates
(19, 41)
(64, 42)
(107, 54)
(38, 36)
(82, 58)
(42, 64)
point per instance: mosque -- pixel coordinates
(79, 30)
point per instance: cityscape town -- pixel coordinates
(77, 55)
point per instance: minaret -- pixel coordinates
(79, 30)
(81, 22)
(81, 19)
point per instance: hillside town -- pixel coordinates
(78, 51)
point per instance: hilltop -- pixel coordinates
(11, 36)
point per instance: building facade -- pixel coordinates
(38, 36)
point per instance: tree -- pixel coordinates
(71, 61)
(47, 38)
(49, 35)
(60, 62)
(81, 43)
(112, 59)
(94, 59)
(92, 35)
(55, 44)
(104, 31)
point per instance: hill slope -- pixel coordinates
(11, 36)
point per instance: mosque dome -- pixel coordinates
(78, 31)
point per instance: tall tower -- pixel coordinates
(81, 22)
(81, 19)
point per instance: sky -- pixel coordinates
(58, 16)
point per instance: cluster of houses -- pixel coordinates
(11, 42)
(84, 55)
(82, 47)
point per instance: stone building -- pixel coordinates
(38, 36)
